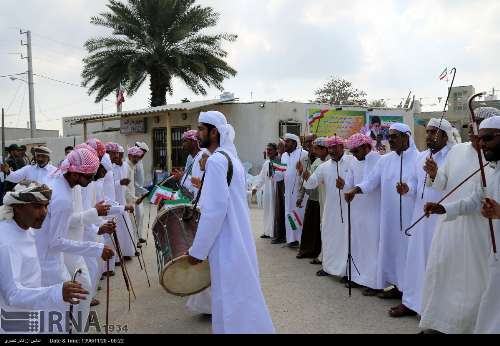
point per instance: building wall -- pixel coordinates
(14, 133)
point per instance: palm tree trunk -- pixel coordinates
(158, 89)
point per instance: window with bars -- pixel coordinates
(160, 148)
(179, 157)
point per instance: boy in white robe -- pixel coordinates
(224, 236)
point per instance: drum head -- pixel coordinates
(183, 279)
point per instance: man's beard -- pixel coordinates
(204, 143)
(42, 166)
(492, 155)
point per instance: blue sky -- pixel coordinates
(286, 49)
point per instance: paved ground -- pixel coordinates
(299, 301)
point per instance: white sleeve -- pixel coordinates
(467, 206)
(18, 296)
(315, 180)
(59, 224)
(371, 182)
(214, 213)
(19, 175)
(261, 178)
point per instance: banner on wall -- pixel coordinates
(330, 122)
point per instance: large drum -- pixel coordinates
(173, 237)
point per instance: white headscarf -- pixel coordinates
(486, 112)
(491, 123)
(295, 138)
(226, 131)
(405, 129)
(26, 192)
(445, 126)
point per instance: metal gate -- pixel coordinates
(160, 148)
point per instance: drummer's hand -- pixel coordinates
(193, 261)
(196, 182)
(177, 174)
(129, 208)
(107, 228)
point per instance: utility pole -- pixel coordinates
(31, 89)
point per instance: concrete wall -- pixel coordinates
(256, 124)
(15, 133)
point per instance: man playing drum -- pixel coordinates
(224, 236)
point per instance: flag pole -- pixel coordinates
(3, 150)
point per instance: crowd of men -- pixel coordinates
(442, 269)
(65, 228)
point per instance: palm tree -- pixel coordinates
(161, 39)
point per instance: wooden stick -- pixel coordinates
(400, 195)
(407, 231)
(349, 273)
(133, 242)
(107, 298)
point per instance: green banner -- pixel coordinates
(343, 123)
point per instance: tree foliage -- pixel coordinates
(159, 39)
(378, 104)
(338, 91)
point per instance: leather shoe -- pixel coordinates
(392, 294)
(370, 292)
(322, 273)
(401, 311)
(265, 237)
(278, 241)
(353, 285)
(94, 302)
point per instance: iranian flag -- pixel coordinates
(444, 75)
(171, 197)
(317, 116)
(294, 220)
(279, 167)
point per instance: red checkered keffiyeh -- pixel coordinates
(333, 141)
(190, 135)
(80, 160)
(135, 152)
(98, 146)
(357, 140)
(112, 147)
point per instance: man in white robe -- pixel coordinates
(139, 183)
(484, 201)
(224, 236)
(124, 228)
(21, 288)
(450, 302)
(78, 169)
(393, 220)
(439, 141)
(294, 216)
(334, 225)
(39, 172)
(365, 230)
(265, 181)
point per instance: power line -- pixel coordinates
(59, 81)
(19, 85)
(13, 75)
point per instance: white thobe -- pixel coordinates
(292, 187)
(21, 276)
(488, 319)
(192, 170)
(265, 181)
(456, 273)
(334, 240)
(33, 173)
(82, 221)
(51, 240)
(365, 224)
(107, 193)
(201, 302)
(124, 229)
(393, 241)
(224, 235)
(419, 243)
(139, 192)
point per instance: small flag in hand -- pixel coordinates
(279, 167)
(294, 220)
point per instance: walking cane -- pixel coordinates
(107, 298)
(349, 270)
(133, 242)
(71, 306)
(400, 195)
(143, 266)
(340, 196)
